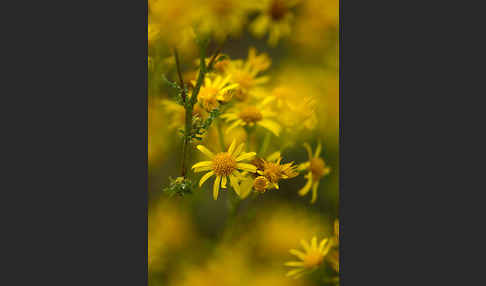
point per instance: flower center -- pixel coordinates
(317, 167)
(223, 164)
(313, 259)
(260, 184)
(207, 96)
(278, 10)
(272, 171)
(250, 115)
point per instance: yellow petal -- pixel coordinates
(322, 244)
(297, 253)
(216, 187)
(307, 186)
(205, 177)
(246, 187)
(294, 263)
(205, 151)
(245, 156)
(309, 150)
(239, 149)
(202, 169)
(232, 147)
(223, 182)
(294, 272)
(274, 156)
(202, 164)
(305, 244)
(234, 184)
(270, 125)
(303, 166)
(233, 125)
(246, 167)
(314, 243)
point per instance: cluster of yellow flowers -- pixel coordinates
(221, 18)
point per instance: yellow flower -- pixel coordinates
(222, 17)
(215, 91)
(316, 168)
(245, 73)
(274, 171)
(224, 165)
(310, 259)
(251, 115)
(275, 17)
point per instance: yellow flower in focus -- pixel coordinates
(225, 165)
(310, 259)
(250, 115)
(274, 171)
(316, 168)
(215, 91)
(275, 17)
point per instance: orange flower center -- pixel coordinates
(313, 259)
(223, 164)
(272, 171)
(278, 10)
(250, 114)
(318, 168)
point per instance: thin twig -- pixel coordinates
(178, 66)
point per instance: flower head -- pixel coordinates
(316, 168)
(273, 171)
(225, 165)
(250, 115)
(275, 17)
(215, 91)
(310, 259)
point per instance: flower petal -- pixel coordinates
(245, 156)
(203, 169)
(216, 187)
(307, 186)
(205, 177)
(234, 184)
(273, 126)
(318, 150)
(294, 263)
(202, 164)
(232, 147)
(305, 245)
(294, 272)
(322, 244)
(223, 182)
(239, 149)
(246, 167)
(297, 253)
(205, 151)
(314, 243)
(309, 150)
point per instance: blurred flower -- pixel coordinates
(177, 113)
(153, 33)
(246, 73)
(222, 17)
(215, 91)
(224, 165)
(246, 114)
(316, 168)
(169, 228)
(310, 259)
(275, 16)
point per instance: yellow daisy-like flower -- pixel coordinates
(215, 91)
(317, 169)
(275, 17)
(273, 171)
(225, 165)
(310, 259)
(251, 115)
(246, 73)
